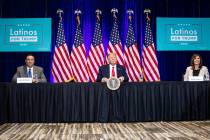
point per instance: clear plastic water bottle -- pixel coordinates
(36, 78)
(206, 77)
(141, 78)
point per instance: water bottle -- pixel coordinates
(36, 78)
(141, 78)
(206, 77)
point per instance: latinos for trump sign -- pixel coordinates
(25, 34)
(183, 34)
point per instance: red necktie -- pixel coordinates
(113, 72)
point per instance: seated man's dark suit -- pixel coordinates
(105, 72)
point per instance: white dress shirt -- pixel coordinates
(110, 70)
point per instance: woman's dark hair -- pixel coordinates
(192, 61)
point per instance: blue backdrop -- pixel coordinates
(171, 64)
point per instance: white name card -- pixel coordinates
(195, 78)
(24, 80)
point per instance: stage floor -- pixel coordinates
(196, 130)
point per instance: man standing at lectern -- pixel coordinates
(112, 70)
(30, 70)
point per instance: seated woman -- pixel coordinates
(196, 68)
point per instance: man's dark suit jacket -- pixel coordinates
(105, 72)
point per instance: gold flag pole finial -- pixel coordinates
(59, 12)
(130, 12)
(147, 12)
(98, 13)
(78, 13)
(114, 11)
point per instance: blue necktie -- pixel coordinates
(29, 73)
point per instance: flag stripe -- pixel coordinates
(93, 69)
(75, 67)
(60, 68)
(63, 63)
(134, 59)
(66, 57)
(58, 72)
(129, 69)
(151, 62)
(149, 66)
(83, 62)
(100, 50)
(80, 66)
(133, 65)
(95, 61)
(95, 55)
(58, 63)
(55, 76)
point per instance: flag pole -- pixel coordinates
(65, 67)
(147, 12)
(150, 44)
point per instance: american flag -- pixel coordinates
(132, 57)
(149, 58)
(96, 54)
(115, 44)
(78, 57)
(61, 66)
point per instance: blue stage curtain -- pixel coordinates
(172, 65)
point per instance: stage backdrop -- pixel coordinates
(172, 64)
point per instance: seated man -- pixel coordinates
(112, 70)
(30, 70)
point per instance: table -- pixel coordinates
(94, 102)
